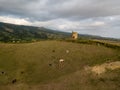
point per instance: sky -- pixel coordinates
(94, 17)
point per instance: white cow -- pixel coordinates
(67, 51)
(61, 60)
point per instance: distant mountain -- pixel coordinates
(20, 33)
(87, 36)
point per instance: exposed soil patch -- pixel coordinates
(98, 69)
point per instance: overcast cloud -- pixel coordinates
(96, 17)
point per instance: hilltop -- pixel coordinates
(36, 66)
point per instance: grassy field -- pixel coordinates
(36, 66)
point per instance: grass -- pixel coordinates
(35, 66)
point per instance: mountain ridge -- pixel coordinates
(12, 32)
(22, 33)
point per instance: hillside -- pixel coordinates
(20, 33)
(37, 66)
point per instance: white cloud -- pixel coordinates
(102, 26)
(18, 21)
(98, 23)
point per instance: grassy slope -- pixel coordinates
(29, 64)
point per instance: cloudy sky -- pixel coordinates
(96, 17)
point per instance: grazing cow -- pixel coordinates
(50, 64)
(61, 60)
(61, 64)
(67, 51)
(14, 81)
(53, 50)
